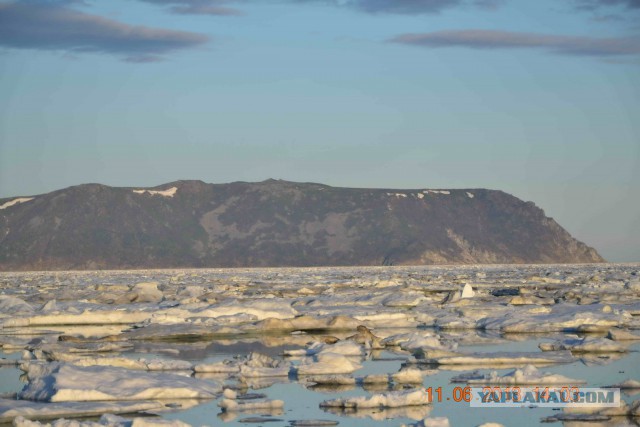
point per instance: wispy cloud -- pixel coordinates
(596, 4)
(198, 7)
(491, 39)
(53, 25)
(407, 7)
(609, 10)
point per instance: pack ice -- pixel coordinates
(109, 342)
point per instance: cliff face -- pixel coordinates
(275, 223)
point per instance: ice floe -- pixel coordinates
(405, 376)
(125, 362)
(529, 375)
(13, 305)
(392, 399)
(505, 359)
(10, 409)
(565, 318)
(345, 348)
(62, 382)
(327, 364)
(223, 367)
(585, 345)
(430, 422)
(622, 335)
(106, 420)
(595, 413)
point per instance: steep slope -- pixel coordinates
(275, 223)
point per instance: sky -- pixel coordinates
(540, 99)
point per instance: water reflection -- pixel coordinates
(379, 414)
(231, 416)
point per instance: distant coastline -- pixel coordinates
(192, 224)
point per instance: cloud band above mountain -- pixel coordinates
(55, 26)
(406, 7)
(493, 39)
(198, 7)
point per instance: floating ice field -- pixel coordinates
(312, 346)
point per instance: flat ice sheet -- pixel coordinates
(10, 409)
(61, 382)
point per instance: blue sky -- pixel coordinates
(540, 99)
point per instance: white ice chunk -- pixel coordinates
(107, 420)
(529, 375)
(123, 362)
(86, 317)
(412, 340)
(168, 365)
(467, 291)
(585, 345)
(403, 299)
(408, 376)
(622, 335)
(12, 305)
(277, 308)
(596, 413)
(456, 296)
(563, 317)
(261, 366)
(531, 300)
(392, 399)
(505, 358)
(145, 292)
(328, 364)
(264, 372)
(436, 422)
(230, 394)
(10, 409)
(224, 367)
(59, 382)
(432, 422)
(346, 348)
(387, 319)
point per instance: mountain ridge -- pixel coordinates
(190, 223)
